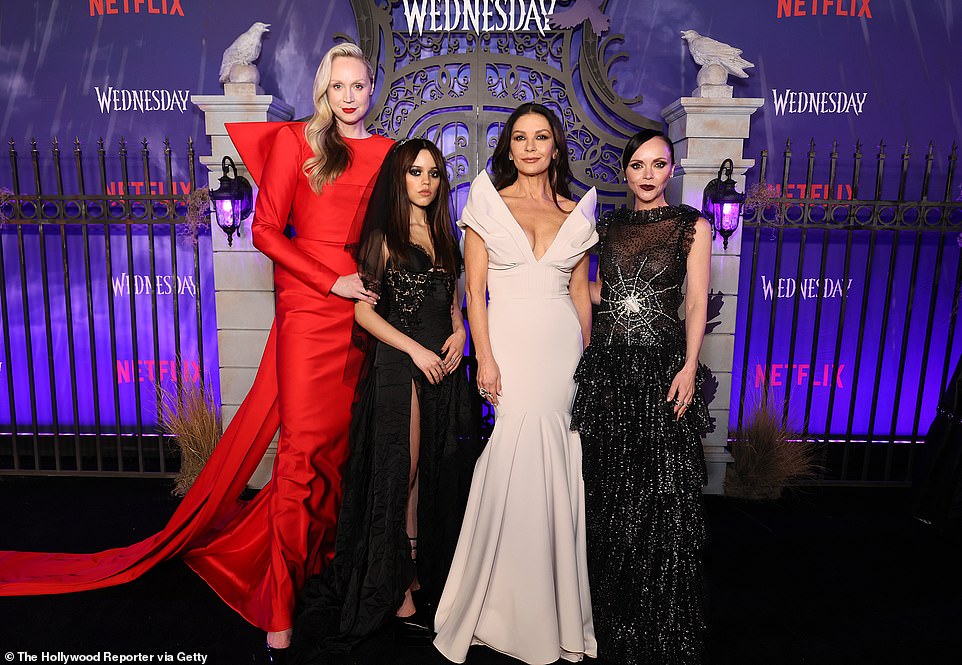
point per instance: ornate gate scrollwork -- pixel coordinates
(457, 88)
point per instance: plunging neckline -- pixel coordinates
(424, 250)
(520, 228)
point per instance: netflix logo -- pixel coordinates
(154, 187)
(152, 370)
(111, 7)
(801, 190)
(849, 8)
(799, 374)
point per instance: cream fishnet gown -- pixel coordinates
(519, 582)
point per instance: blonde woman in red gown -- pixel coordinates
(256, 556)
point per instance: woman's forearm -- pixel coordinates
(696, 295)
(579, 289)
(374, 323)
(478, 320)
(457, 320)
(696, 318)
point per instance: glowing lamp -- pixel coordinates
(233, 201)
(722, 204)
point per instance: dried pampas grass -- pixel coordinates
(768, 456)
(194, 421)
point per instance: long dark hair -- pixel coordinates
(504, 170)
(641, 137)
(388, 214)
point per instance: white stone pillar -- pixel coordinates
(243, 277)
(706, 130)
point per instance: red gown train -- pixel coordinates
(257, 555)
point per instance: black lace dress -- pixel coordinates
(643, 470)
(372, 567)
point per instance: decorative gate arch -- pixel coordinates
(458, 87)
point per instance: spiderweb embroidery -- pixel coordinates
(634, 305)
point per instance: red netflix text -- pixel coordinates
(792, 8)
(799, 373)
(152, 371)
(136, 188)
(799, 190)
(110, 7)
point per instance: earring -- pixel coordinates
(510, 158)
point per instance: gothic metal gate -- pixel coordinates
(457, 88)
(855, 330)
(93, 273)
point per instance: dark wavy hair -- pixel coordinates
(389, 209)
(641, 137)
(559, 173)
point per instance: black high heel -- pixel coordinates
(276, 655)
(413, 630)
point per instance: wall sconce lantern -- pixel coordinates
(233, 201)
(722, 204)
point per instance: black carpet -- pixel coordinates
(821, 576)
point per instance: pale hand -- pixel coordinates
(352, 288)
(681, 391)
(429, 363)
(453, 350)
(489, 379)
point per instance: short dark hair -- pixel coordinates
(559, 172)
(641, 137)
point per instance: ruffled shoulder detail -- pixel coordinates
(608, 219)
(483, 210)
(686, 220)
(611, 217)
(577, 235)
(254, 141)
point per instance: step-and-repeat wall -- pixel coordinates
(830, 71)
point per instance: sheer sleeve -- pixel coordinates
(686, 229)
(274, 201)
(602, 228)
(371, 259)
(371, 251)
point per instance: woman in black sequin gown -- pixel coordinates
(640, 413)
(411, 446)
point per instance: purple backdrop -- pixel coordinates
(887, 68)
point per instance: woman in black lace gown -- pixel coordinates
(640, 413)
(411, 457)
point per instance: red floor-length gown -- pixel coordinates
(257, 555)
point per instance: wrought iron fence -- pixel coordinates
(848, 309)
(85, 287)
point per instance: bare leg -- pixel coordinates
(407, 607)
(280, 640)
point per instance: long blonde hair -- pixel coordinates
(331, 156)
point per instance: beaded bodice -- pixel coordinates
(407, 291)
(414, 293)
(643, 263)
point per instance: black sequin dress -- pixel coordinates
(643, 470)
(372, 567)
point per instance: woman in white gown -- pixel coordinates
(519, 582)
